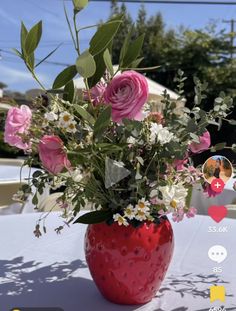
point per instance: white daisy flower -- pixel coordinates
(51, 116)
(71, 127)
(142, 215)
(143, 205)
(129, 212)
(120, 219)
(65, 119)
(174, 196)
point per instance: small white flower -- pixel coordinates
(120, 219)
(51, 116)
(142, 215)
(174, 196)
(164, 136)
(131, 140)
(71, 128)
(143, 205)
(154, 129)
(129, 212)
(65, 119)
(160, 134)
(76, 175)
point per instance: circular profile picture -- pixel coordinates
(217, 166)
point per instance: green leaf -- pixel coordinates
(80, 4)
(33, 38)
(104, 36)
(94, 217)
(100, 70)
(65, 76)
(37, 174)
(108, 61)
(46, 57)
(102, 122)
(35, 199)
(219, 146)
(18, 53)
(30, 60)
(194, 137)
(69, 91)
(232, 122)
(125, 45)
(86, 65)
(133, 51)
(84, 114)
(23, 35)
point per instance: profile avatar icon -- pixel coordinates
(217, 167)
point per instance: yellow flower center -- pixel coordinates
(72, 126)
(66, 118)
(173, 204)
(120, 219)
(128, 211)
(141, 213)
(141, 205)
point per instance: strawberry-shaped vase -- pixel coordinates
(128, 264)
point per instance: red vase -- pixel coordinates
(128, 264)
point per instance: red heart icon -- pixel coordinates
(217, 213)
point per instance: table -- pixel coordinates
(51, 271)
(12, 175)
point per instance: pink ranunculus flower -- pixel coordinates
(127, 93)
(52, 154)
(96, 93)
(204, 144)
(18, 121)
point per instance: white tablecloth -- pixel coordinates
(12, 174)
(52, 272)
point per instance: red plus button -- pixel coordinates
(217, 185)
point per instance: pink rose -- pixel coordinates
(127, 93)
(204, 144)
(17, 122)
(96, 93)
(52, 154)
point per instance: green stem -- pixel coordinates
(76, 34)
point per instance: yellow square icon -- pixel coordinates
(217, 293)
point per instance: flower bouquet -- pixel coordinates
(111, 152)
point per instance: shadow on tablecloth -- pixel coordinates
(29, 284)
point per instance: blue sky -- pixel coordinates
(55, 31)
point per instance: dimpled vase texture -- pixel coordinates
(129, 264)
